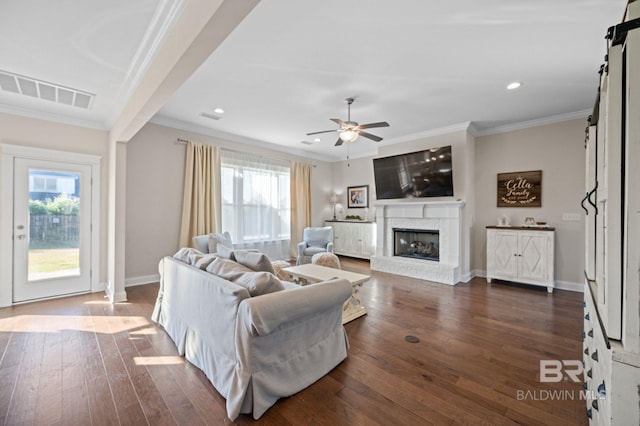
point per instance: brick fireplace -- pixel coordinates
(440, 218)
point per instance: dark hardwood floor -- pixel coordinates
(83, 361)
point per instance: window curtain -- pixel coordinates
(201, 199)
(256, 205)
(300, 203)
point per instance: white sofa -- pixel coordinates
(254, 350)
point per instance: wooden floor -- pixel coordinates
(83, 361)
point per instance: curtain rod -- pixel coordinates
(184, 141)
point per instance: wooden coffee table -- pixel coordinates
(353, 308)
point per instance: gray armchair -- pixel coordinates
(315, 240)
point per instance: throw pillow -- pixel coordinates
(201, 242)
(224, 252)
(255, 260)
(186, 254)
(217, 239)
(257, 283)
(204, 260)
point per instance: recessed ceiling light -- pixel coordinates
(514, 85)
(316, 140)
(218, 111)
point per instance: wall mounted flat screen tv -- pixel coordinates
(414, 175)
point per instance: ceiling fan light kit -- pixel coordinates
(348, 135)
(350, 130)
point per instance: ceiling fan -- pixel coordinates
(350, 130)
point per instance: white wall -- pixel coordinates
(31, 132)
(556, 149)
(155, 177)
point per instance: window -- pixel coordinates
(255, 198)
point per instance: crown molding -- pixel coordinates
(461, 127)
(47, 116)
(533, 123)
(161, 24)
(207, 131)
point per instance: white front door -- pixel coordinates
(51, 229)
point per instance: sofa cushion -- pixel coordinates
(257, 283)
(254, 260)
(310, 251)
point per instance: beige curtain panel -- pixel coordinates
(300, 203)
(201, 205)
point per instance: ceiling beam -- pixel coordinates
(199, 30)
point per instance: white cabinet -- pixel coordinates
(355, 239)
(522, 255)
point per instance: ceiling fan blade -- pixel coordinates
(372, 125)
(338, 121)
(370, 136)
(340, 141)
(324, 131)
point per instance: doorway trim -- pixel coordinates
(7, 155)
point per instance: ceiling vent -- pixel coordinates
(28, 86)
(211, 116)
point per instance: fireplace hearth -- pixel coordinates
(417, 243)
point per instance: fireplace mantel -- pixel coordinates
(444, 216)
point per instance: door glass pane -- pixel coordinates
(54, 224)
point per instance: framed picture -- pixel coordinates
(520, 189)
(357, 196)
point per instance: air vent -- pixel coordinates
(47, 91)
(211, 116)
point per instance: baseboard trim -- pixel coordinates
(145, 279)
(465, 278)
(560, 285)
(570, 286)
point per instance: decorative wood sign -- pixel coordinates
(520, 189)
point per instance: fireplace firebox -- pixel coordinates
(417, 243)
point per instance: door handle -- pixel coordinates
(589, 197)
(582, 204)
(21, 236)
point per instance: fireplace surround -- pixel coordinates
(445, 217)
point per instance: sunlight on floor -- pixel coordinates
(158, 360)
(59, 323)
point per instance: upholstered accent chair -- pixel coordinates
(315, 240)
